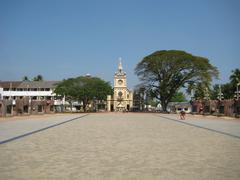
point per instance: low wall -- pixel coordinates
(24, 106)
(228, 107)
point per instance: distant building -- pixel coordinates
(177, 107)
(29, 97)
(226, 107)
(122, 99)
(36, 90)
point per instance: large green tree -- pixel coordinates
(84, 89)
(166, 71)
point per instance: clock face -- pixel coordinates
(120, 93)
(120, 81)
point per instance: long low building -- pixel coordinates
(226, 107)
(29, 97)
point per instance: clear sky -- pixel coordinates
(65, 38)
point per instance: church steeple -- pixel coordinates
(122, 98)
(120, 68)
(120, 65)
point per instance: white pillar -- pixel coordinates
(109, 103)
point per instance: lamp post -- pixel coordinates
(194, 108)
(29, 100)
(206, 94)
(192, 95)
(94, 104)
(220, 94)
(206, 98)
(237, 92)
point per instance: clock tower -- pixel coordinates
(122, 97)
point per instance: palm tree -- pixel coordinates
(38, 78)
(25, 78)
(235, 77)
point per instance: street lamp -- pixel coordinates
(237, 92)
(206, 94)
(220, 94)
(192, 95)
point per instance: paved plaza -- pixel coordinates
(119, 146)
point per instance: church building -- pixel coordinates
(122, 99)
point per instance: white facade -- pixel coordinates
(1, 93)
(35, 90)
(28, 93)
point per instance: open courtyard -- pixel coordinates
(119, 146)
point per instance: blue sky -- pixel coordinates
(65, 38)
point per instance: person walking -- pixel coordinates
(182, 115)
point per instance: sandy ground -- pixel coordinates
(122, 146)
(17, 126)
(38, 116)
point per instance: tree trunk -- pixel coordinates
(71, 104)
(85, 102)
(164, 104)
(84, 106)
(164, 107)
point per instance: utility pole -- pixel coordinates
(237, 92)
(220, 94)
(206, 94)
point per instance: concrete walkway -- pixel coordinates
(122, 146)
(225, 125)
(13, 127)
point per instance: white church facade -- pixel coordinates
(122, 98)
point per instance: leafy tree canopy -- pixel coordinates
(235, 77)
(25, 78)
(84, 89)
(38, 78)
(228, 89)
(166, 71)
(179, 97)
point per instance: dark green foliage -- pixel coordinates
(178, 97)
(25, 78)
(228, 89)
(38, 78)
(200, 89)
(235, 77)
(84, 89)
(165, 72)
